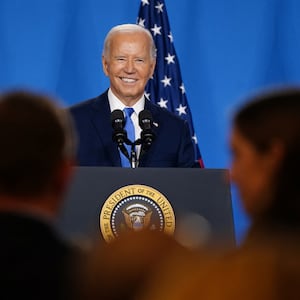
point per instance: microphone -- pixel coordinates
(146, 123)
(119, 135)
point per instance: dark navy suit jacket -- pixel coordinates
(172, 146)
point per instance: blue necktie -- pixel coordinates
(129, 127)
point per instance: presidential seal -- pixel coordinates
(136, 207)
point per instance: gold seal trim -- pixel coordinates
(138, 200)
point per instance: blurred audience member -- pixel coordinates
(36, 159)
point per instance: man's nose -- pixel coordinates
(129, 67)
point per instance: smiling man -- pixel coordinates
(128, 59)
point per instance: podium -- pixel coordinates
(200, 199)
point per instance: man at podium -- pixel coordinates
(122, 127)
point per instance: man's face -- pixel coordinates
(129, 65)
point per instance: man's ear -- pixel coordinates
(276, 154)
(105, 65)
(152, 67)
(59, 185)
(63, 176)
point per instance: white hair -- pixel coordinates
(128, 28)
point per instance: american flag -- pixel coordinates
(166, 88)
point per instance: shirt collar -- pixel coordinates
(115, 103)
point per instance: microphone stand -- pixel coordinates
(133, 157)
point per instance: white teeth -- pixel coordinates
(129, 80)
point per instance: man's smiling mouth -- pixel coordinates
(128, 80)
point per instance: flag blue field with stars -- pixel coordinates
(166, 88)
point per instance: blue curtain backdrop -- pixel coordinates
(227, 50)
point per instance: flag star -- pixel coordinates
(181, 110)
(141, 22)
(145, 2)
(194, 138)
(147, 95)
(156, 29)
(166, 81)
(182, 88)
(170, 58)
(162, 103)
(170, 37)
(159, 7)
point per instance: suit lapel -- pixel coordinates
(100, 117)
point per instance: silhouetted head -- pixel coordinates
(266, 154)
(37, 139)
